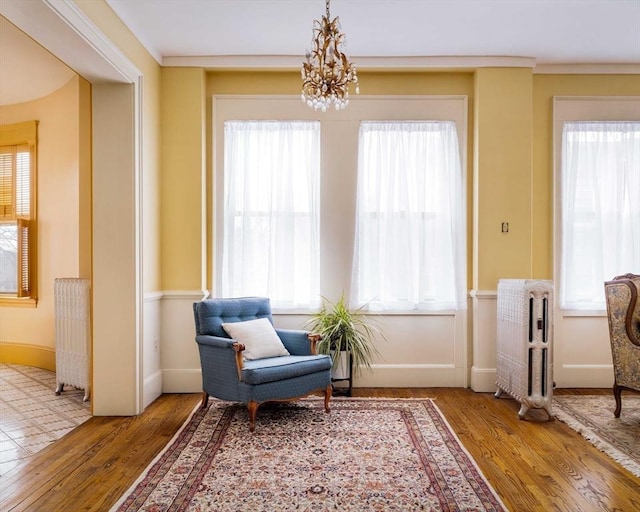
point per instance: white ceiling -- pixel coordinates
(549, 31)
(546, 31)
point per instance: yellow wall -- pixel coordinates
(27, 335)
(502, 175)
(183, 178)
(289, 82)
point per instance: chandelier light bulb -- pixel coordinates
(327, 72)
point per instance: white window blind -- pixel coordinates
(23, 182)
(15, 219)
(600, 210)
(7, 183)
(410, 225)
(271, 240)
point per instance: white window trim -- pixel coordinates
(581, 108)
(362, 108)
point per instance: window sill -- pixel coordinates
(582, 312)
(26, 302)
(388, 312)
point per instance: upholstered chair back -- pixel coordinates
(623, 311)
(211, 314)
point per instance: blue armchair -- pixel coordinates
(227, 372)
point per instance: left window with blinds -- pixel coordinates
(17, 212)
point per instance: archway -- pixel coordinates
(116, 193)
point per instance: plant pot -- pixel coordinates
(341, 371)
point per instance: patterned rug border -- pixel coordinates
(577, 422)
(433, 401)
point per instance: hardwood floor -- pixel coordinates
(534, 465)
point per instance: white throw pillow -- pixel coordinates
(258, 337)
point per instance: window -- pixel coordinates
(600, 211)
(409, 243)
(335, 199)
(271, 239)
(17, 211)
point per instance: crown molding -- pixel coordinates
(442, 63)
(288, 62)
(587, 69)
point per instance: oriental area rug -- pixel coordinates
(592, 416)
(366, 455)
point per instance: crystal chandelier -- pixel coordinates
(327, 73)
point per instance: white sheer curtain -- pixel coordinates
(410, 225)
(600, 196)
(271, 241)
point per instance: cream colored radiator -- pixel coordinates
(525, 341)
(73, 334)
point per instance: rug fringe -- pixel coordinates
(621, 458)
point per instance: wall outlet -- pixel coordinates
(155, 343)
(505, 227)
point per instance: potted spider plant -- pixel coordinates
(347, 336)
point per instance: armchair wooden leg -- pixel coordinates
(617, 394)
(205, 400)
(327, 398)
(253, 410)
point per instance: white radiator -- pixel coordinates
(73, 333)
(525, 343)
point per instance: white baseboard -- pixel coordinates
(583, 376)
(411, 376)
(483, 380)
(182, 381)
(152, 388)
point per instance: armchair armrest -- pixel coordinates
(214, 341)
(314, 338)
(298, 342)
(223, 345)
(238, 348)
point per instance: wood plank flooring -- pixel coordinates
(534, 465)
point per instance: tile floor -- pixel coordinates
(31, 415)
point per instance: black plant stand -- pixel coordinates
(344, 391)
